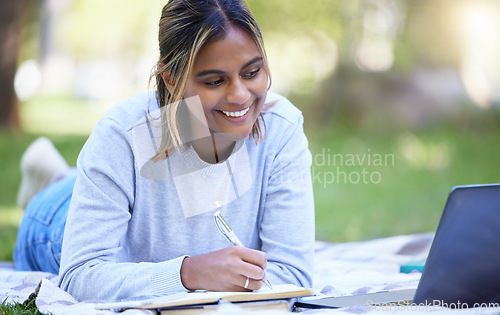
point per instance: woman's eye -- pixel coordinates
(251, 74)
(214, 83)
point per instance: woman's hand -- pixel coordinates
(225, 270)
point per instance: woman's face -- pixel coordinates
(229, 77)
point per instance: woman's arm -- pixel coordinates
(287, 228)
(98, 219)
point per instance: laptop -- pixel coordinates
(462, 269)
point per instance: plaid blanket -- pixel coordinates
(340, 269)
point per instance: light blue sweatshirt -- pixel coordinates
(131, 222)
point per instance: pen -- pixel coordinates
(229, 234)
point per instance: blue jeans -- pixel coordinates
(40, 234)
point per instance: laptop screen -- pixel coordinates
(463, 266)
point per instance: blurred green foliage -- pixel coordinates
(429, 34)
(91, 28)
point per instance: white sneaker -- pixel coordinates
(41, 164)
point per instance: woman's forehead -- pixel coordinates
(236, 47)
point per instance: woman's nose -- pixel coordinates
(238, 93)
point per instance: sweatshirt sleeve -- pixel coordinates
(287, 228)
(98, 218)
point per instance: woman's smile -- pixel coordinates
(237, 114)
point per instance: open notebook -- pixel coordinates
(284, 291)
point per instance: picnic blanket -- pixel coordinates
(340, 269)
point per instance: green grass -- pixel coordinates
(28, 307)
(61, 115)
(409, 194)
(66, 122)
(12, 145)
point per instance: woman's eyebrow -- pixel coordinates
(254, 60)
(207, 72)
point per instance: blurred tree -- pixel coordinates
(290, 17)
(431, 36)
(10, 31)
(427, 30)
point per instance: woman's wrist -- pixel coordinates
(186, 274)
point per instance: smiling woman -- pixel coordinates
(158, 165)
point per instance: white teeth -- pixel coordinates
(236, 114)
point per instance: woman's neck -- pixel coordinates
(213, 149)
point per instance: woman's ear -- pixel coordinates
(168, 78)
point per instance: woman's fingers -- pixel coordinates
(253, 262)
(255, 257)
(225, 270)
(250, 284)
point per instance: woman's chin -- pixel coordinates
(234, 134)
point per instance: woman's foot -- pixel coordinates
(41, 164)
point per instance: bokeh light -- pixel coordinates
(480, 32)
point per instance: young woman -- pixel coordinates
(159, 165)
